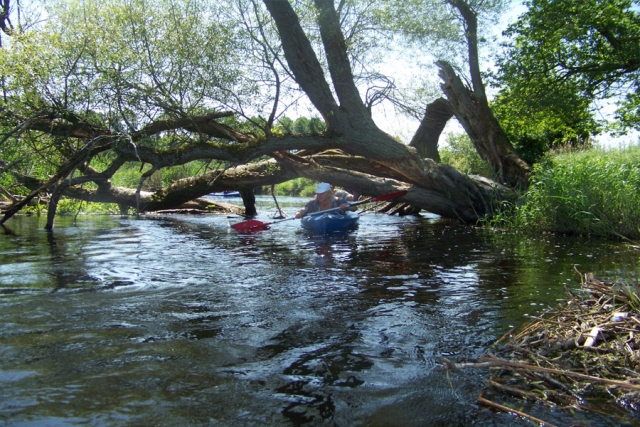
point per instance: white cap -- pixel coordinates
(323, 187)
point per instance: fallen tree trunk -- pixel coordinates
(184, 193)
(445, 191)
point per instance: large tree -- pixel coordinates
(165, 83)
(560, 57)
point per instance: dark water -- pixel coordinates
(179, 320)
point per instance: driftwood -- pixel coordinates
(507, 409)
(591, 343)
(181, 211)
(494, 362)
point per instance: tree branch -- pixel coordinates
(302, 59)
(198, 124)
(339, 66)
(471, 33)
(426, 137)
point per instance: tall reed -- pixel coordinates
(586, 193)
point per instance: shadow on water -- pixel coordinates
(181, 320)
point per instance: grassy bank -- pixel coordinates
(585, 193)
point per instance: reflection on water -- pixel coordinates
(180, 320)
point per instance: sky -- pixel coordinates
(402, 67)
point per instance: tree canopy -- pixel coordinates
(560, 57)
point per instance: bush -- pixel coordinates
(129, 175)
(587, 193)
(72, 207)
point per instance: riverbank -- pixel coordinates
(582, 354)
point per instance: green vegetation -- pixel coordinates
(129, 175)
(73, 207)
(536, 126)
(302, 125)
(586, 193)
(461, 154)
(299, 187)
(560, 56)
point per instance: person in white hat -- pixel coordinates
(324, 200)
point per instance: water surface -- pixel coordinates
(179, 320)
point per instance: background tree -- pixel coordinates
(561, 56)
(538, 125)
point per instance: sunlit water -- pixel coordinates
(179, 320)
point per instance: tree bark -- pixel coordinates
(471, 34)
(470, 198)
(490, 141)
(471, 108)
(426, 137)
(348, 124)
(249, 201)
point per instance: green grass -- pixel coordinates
(585, 193)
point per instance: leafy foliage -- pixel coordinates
(563, 55)
(301, 125)
(431, 30)
(460, 153)
(97, 56)
(444, 35)
(535, 125)
(129, 175)
(303, 187)
(113, 66)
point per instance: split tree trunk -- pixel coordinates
(490, 141)
(390, 165)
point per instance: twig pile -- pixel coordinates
(585, 349)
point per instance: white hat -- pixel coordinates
(323, 187)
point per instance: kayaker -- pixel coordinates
(324, 200)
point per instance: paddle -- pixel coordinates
(255, 225)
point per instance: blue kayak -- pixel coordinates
(330, 222)
(226, 194)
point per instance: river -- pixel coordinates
(179, 320)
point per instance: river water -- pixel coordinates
(179, 320)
